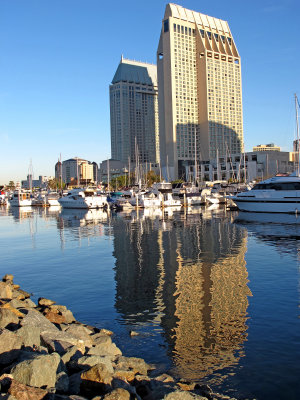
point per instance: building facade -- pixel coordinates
(134, 112)
(76, 171)
(199, 88)
(266, 147)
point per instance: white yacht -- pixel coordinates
(164, 191)
(83, 198)
(52, 199)
(280, 194)
(20, 199)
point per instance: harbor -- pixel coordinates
(208, 296)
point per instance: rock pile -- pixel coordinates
(46, 353)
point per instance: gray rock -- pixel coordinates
(28, 303)
(62, 382)
(35, 318)
(39, 372)
(30, 335)
(60, 341)
(101, 338)
(105, 350)
(80, 332)
(118, 394)
(7, 317)
(68, 315)
(138, 365)
(90, 361)
(10, 343)
(72, 353)
(182, 395)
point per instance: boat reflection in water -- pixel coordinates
(20, 213)
(82, 217)
(188, 277)
(283, 230)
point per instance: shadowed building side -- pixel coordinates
(134, 113)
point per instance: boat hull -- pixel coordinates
(268, 206)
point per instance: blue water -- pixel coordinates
(214, 296)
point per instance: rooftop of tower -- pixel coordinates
(136, 72)
(207, 22)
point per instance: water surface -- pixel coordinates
(214, 296)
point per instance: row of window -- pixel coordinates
(278, 186)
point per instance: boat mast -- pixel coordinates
(196, 166)
(297, 127)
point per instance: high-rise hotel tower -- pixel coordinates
(200, 93)
(134, 112)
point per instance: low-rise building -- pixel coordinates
(266, 147)
(252, 165)
(76, 171)
(31, 183)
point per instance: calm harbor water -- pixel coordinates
(214, 296)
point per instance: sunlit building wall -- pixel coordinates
(200, 93)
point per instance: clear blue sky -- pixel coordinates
(58, 57)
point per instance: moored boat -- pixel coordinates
(280, 194)
(83, 198)
(20, 199)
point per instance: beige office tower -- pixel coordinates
(200, 91)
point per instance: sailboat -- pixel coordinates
(280, 194)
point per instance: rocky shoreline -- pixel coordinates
(46, 354)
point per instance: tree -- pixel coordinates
(152, 177)
(55, 184)
(11, 185)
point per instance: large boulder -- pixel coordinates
(8, 317)
(35, 318)
(137, 365)
(117, 394)
(10, 343)
(182, 395)
(60, 341)
(80, 332)
(87, 362)
(5, 291)
(42, 302)
(24, 392)
(30, 335)
(8, 278)
(96, 380)
(104, 347)
(39, 372)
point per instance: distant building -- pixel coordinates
(199, 90)
(254, 165)
(134, 112)
(266, 147)
(113, 169)
(31, 183)
(76, 171)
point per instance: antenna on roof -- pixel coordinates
(122, 57)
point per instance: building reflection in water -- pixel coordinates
(186, 273)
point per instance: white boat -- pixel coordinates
(20, 199)
(280, 194)
(81, 198)
(163, 190)
(52, 199)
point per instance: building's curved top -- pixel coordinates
(136, 72)
(206, 22)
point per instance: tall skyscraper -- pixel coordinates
(134, 112)
(200, 93)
